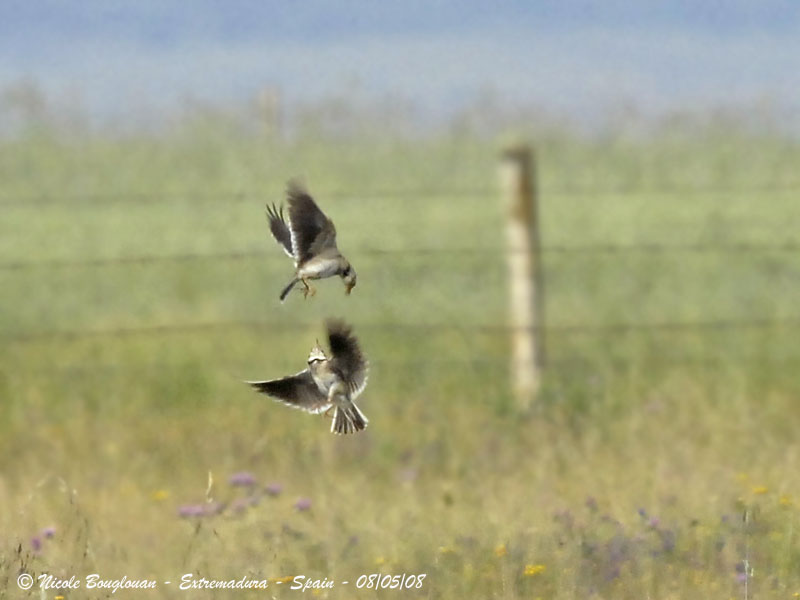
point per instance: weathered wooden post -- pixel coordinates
(518, 182)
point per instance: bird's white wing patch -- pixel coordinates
(293, 237)
(289, 254)
(312, 411)
(278, 227)
(356, 392)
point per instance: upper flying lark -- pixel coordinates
(309, 238)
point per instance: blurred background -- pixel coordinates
(139, 143)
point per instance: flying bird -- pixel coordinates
(309, 238)
(328, 382)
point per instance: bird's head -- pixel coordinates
(348, 275)
(316, 354)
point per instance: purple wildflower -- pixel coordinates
(273, 489)
(36, 544)
(242, 479)
(741, 577)
(654, 522)
(642, 513)
(591, 503)
(187, 511)
(49, 532)
(303, 504)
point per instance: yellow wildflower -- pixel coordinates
(380, 560)
(500, 550)
(760, 490)
(447, 550)
(160, 495)
(531, 570)
(286, 579)
(785, 500)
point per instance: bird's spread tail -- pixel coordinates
(348, 420)
(288, 288)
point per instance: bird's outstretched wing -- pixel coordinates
(279, 228)
(311, 231)
(346, 357)
(297, 391)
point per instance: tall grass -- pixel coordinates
(629, 480)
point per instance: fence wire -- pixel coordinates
(647, 248)
(388, 195)
(571, 366)
(789, 246)
(421, 328)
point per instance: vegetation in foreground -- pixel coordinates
(139, 287)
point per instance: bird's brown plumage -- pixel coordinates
(311, 231)
(309, 237)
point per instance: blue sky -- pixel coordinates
(575, 58)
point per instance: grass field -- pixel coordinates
(139, 287)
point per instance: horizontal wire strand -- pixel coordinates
(600, 328)
(385, 194)
(649, 248)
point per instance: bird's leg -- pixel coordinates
(309, 289)
(334, 389)
(327, 413)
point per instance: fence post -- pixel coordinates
(518, 182)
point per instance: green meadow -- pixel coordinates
(139, 288)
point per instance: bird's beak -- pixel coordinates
(349, 287)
